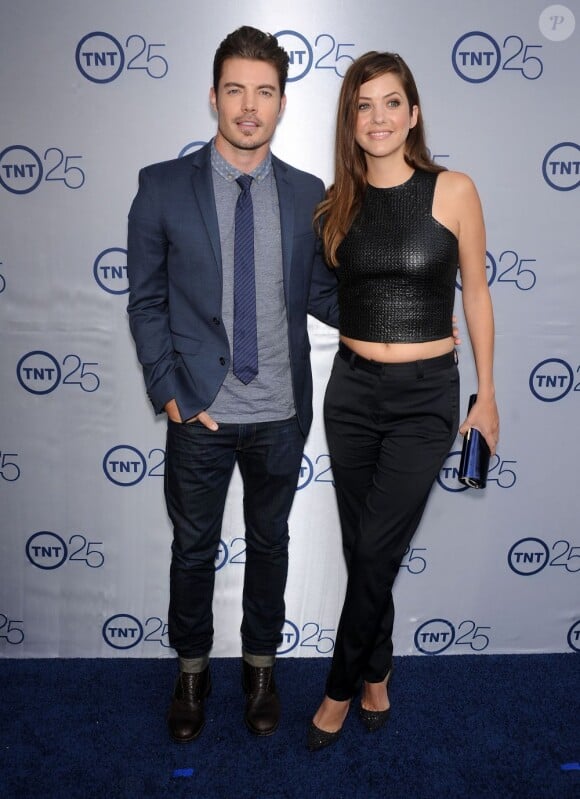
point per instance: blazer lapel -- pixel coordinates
(286, 202)
(202, 182)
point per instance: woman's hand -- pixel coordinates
(484, 417)
(456, 339)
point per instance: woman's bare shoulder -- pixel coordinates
(457, 183)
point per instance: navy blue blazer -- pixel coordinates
(175, 282)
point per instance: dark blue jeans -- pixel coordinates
(199, 467)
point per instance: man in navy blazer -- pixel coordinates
(181, 250)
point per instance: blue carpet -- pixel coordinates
(462, 727)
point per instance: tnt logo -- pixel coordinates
(551, 380)
(122, 631)
(100, 57)
(38, 372)
(434, 636)
(528, 556)
(290, 638)
(299, 51)
(20, 169)
(190, 148)
(306, 473)
(46, 550)
(476, 57)
(110, 270)
(490, 268)
(124, 465)
(574, 637)
(561, 166)
(449, 474)
(221, 556)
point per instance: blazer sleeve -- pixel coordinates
(148, 293)
(323, 297)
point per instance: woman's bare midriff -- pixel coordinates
(399, 353)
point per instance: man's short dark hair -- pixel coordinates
(247, 42)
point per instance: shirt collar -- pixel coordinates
(231, 173)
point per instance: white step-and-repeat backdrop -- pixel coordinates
(93, 91)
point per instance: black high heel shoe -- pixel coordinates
(373, 720)
(320, 739)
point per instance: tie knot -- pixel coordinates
(244, 182)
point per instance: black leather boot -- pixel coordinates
(262, 703)
(186, 715)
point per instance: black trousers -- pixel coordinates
(389, 429)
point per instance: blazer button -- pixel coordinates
(223, 361)
(216, 321)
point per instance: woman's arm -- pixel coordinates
(477, 305)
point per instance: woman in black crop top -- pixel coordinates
(397, 226)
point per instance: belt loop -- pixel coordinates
(352, 360)
(455, 357)
(420, 370)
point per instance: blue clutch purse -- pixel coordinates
(474, 463)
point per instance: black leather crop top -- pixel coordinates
(397, 267)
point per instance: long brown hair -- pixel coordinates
(336, 212)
